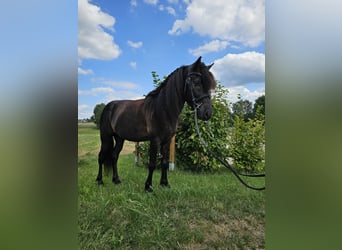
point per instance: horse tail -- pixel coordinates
(108, 154)
(107, 141)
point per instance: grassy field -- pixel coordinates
(200, 211)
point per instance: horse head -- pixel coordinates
(198, 85)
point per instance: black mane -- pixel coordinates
(157, 90)
(165, 95)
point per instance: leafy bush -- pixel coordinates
(143, 149)
(247, 143)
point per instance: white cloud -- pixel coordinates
(122, 95)
(240, 69)
(152, 2)
(245, 93)
(115, 84)
(213, 46)
(133, 65)
(95, 91)
(135, 45)
(173, 1)
(93, 41)
(121, 84)
(82, 107)
(85, 71)
(169, 9)
(84, 111)
(134, 3)
(239, 21)
(110, 94)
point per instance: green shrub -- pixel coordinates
(247, 143)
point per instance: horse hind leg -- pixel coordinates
(117, 149)
(99, 175)
(104, 157)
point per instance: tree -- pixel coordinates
(243, 108)
(259, 104)
(97, 113)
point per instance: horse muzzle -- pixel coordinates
(205, 111)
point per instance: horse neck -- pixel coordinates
(172, 96)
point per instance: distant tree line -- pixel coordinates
(247, 110)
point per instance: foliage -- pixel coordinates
(242, 108)
(143, 149)
(190, 154)
(247, 142)
(259, 102)
(97, 113)
(156, 80)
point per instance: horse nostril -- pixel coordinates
(207, 114)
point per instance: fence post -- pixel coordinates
(172, 153)
(136, 152)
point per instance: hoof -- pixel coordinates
(165, 185)
(99, 182)
(149, 189)
(116, 181)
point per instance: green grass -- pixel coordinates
(200, 211)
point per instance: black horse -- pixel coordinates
(154, 118)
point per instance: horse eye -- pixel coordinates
(197, 81)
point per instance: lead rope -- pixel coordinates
(225, 163)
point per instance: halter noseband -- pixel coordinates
(195, 101)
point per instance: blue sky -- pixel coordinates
(121, 42)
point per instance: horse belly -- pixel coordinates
(133, 134)
(132, 128)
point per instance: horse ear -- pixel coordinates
(198, 61)
(196, 65)
(209, 66)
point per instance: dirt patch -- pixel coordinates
(84, 152)
(128, 148)
(244, 233)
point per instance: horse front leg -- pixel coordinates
(151, 165)
(116, 152)
(165, 152)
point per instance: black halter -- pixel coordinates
(195, 102)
